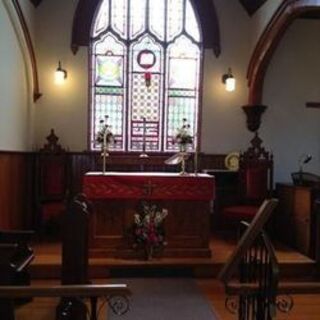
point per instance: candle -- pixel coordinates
(196, 154)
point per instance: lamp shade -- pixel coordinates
(230, 84)
(60, 75)
(229, 81)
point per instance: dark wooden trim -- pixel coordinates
(26, 33)
(287, 12)
(313, 105)
(16, 152)
(284, 288)
(83, 291)
(205, 9)
(209, 22)
(36, 2)
(252, 6)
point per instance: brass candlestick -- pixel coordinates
(105, 153)
(144, 154)
(184, 156)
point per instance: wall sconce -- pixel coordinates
(229, 81)
(60, 75)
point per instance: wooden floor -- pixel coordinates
(48, 260)
(306, 307)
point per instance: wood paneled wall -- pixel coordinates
(18, 171)
(16, 190)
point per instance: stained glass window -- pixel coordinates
(145, 72)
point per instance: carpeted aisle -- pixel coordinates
(165, 299)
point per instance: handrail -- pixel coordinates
(292, 288)
(247, 239)
(79, 291)
(115, 295)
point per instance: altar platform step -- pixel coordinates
(47, 264)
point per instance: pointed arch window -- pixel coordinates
(145, 63)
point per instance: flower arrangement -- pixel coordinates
(148, 228)
(105, 135)
(183, 136)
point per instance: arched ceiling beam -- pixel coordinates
(24, 37)
(287, 12)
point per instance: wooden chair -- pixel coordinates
(255, 183)
(52, 184)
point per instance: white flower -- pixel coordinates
(137, 219)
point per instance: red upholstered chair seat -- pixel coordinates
(240, 212)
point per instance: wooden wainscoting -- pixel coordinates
(16, 190)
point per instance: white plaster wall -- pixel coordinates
(63, 108)
(15, 108)
(292, 79)
(262, 17)
(223, 121)
(66, 108)
(28, 10)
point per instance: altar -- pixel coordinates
(116, 197)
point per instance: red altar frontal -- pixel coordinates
(116, 197)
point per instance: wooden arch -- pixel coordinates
(205, 9)
(22, 31)
(287, 12)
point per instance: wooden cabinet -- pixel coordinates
(295, 218)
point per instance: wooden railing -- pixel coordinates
(116, 295)
(258, 293)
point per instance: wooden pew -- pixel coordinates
(75, 283)
(15, 257)
(75, 256)
(19, 257)
(92, 292)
